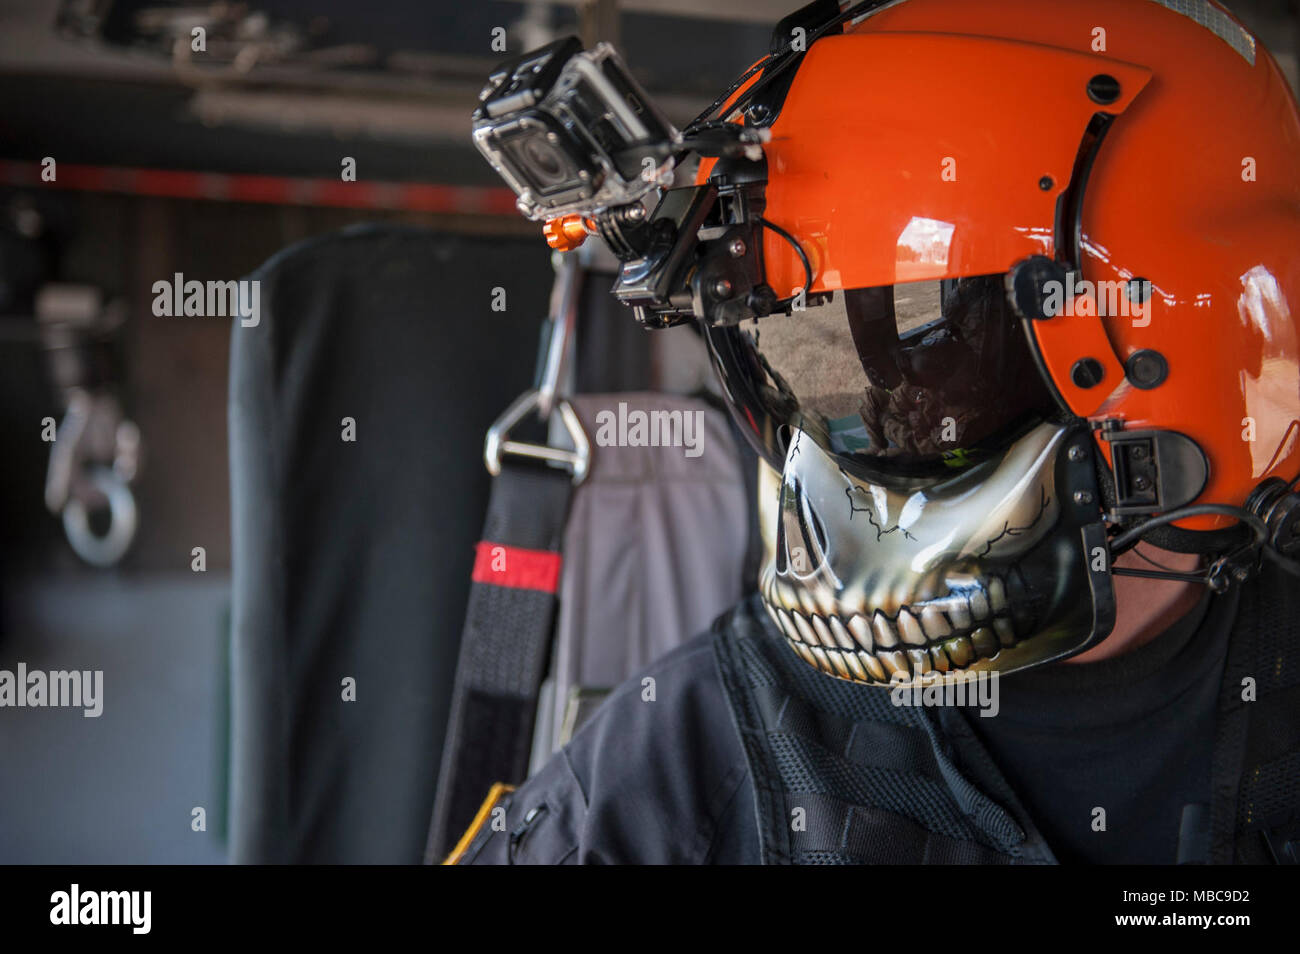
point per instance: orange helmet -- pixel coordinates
(1054, 251)
(1144, 154)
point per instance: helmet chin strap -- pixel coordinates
(1235, 566)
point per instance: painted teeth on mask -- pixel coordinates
(785, 593)
(873, 666)
(824, 633)
(910, 629)
(804, 630)
(807, 602)
(882, 631)
(960, 651)
(940, 633)
(841, 634)
(998, 596)
(959, 613)
(838, 661)
(934, 623)
(861, 631)
(826, 605)
(803, 651)
(859, 673)
(985, 643)
(895, 662)
(920, 660)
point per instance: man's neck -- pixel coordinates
(1145, 608)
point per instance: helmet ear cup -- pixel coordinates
(1175, 539)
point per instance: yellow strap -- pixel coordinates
(494, 795)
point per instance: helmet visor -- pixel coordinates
(912, 379)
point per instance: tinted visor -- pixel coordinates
(913, 379)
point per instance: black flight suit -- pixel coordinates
(732, 750)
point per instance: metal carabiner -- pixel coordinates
(546, 399)
(498, 441)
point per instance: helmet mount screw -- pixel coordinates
(1082, 497)
(1046, 183)
(1029, 281)
(721, 288)
(736, 247)
(1077, 453)
(761, 299)
(1146, 369)
(1087, 373)
(1103, 89)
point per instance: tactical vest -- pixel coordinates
(843, 776)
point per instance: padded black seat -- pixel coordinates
(352, 559)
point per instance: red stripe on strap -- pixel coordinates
(516, 567)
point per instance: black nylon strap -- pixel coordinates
(505, 650)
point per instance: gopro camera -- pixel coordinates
(571, 131)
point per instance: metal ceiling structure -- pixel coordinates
(286, 86)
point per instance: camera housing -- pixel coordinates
(583, 147)
(570, 131)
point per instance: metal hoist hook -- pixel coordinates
(77, 481)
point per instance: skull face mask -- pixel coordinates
(931, 519)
